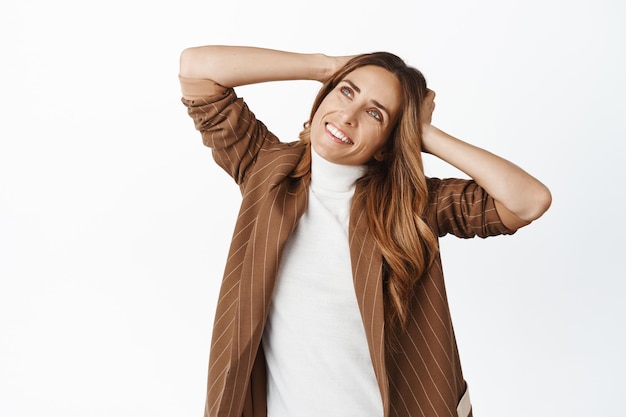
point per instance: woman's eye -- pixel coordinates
(346, 91)
(375, 114)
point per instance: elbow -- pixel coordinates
(197, 61)
(186, 63)
(203, 63)
(541, 202)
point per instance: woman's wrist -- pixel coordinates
(428, 132)
(329, 65)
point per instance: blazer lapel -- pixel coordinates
(278, 215)
(281, 210)
(368, 284)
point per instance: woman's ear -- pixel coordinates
(380, 155)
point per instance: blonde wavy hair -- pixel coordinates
(394, 189)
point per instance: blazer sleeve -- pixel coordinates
(463, 208)
(230, 129)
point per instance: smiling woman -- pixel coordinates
(351, 125)
(333, 298)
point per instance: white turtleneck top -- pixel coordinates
(316, 351)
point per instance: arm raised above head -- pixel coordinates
(519, 197)
(232, 66)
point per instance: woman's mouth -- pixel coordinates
(338, 134)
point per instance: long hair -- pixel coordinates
(393, 189)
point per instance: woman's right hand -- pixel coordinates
(335, 63)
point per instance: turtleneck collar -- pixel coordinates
(330, 177)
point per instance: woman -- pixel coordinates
(333, 300)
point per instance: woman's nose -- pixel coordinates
(349, 115)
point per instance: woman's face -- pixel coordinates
(355, 119)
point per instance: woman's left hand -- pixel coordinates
(428, 107)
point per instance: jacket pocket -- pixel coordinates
(464, 407)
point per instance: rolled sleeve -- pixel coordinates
(464, 209)
(228, 127)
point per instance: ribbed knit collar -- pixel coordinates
(330, 177)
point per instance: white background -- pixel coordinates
(114, 221)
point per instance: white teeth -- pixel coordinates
(337, 133)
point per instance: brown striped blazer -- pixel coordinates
(423, 376)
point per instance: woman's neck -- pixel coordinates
(332, 177)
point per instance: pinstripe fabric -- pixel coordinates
(423, 376)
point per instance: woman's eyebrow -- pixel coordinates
(358, 90)
(354, 87)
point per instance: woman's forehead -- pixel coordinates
(377, 84)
